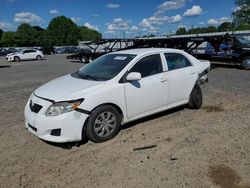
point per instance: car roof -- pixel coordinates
(29, 49)
(144, 51)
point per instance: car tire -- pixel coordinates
(245, 64)
(90, 59)
(84, 59)
(195, 98)
(39, 57)
(103, 124)
(16, 59)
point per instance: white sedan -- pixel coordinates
(114, 89)
(25, 54)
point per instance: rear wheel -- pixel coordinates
(246, 63)
(16, 59)
(195, 98)
(39, 57)
(103, 124)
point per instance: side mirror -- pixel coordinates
(133, 76)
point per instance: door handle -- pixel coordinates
(164, 79)
(192, 73)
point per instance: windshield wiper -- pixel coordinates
(89, 77)
(84, 76)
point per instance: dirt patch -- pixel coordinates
(225, 177)
(213, 108)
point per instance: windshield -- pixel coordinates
(244, 40)
(19, 50)
(105, 67)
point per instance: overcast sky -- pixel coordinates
(117, 18)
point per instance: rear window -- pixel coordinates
(176, 61)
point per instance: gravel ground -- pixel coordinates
(209, 147)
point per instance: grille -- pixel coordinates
(35, 107)
(56, 132)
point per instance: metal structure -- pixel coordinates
(236, 53)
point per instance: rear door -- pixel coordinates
(181, 76)
(28, 54)
(32, 54)
(149, 93)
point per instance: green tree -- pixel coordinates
(41, 36)
(9, 39)
(87, 34)
(1, 32)
(211, 29)
(193, 31)
(63, 31)
(27, 35)
(181, 31)
(38, 28)
(243, 27)
(226, 26)
(242, 13)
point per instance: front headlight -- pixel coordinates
(62, 107)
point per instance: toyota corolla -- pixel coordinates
(114, 89)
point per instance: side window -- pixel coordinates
(32, 51)
(148, 66)
(176, 61)
(28, 51)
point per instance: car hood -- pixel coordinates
(10, 54)
(67, 88)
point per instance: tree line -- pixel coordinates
(241, 21)
(226, 26)
(61, 31)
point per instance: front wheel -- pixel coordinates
(246, 63)
(103, 124)
(16, 59)
(195, 98)
(84, 59)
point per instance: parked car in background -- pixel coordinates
(5, 51)
(25, 54)
(114, 89)
(47, 50)
(66, 50)
(85, 55)
(234, 49)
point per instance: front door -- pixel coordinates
(149, 93)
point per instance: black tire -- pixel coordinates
(103, 124)
(84, 59)
(90, 59)
(245, 64)
(16, 59)
(39, 57)
(195, 98)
